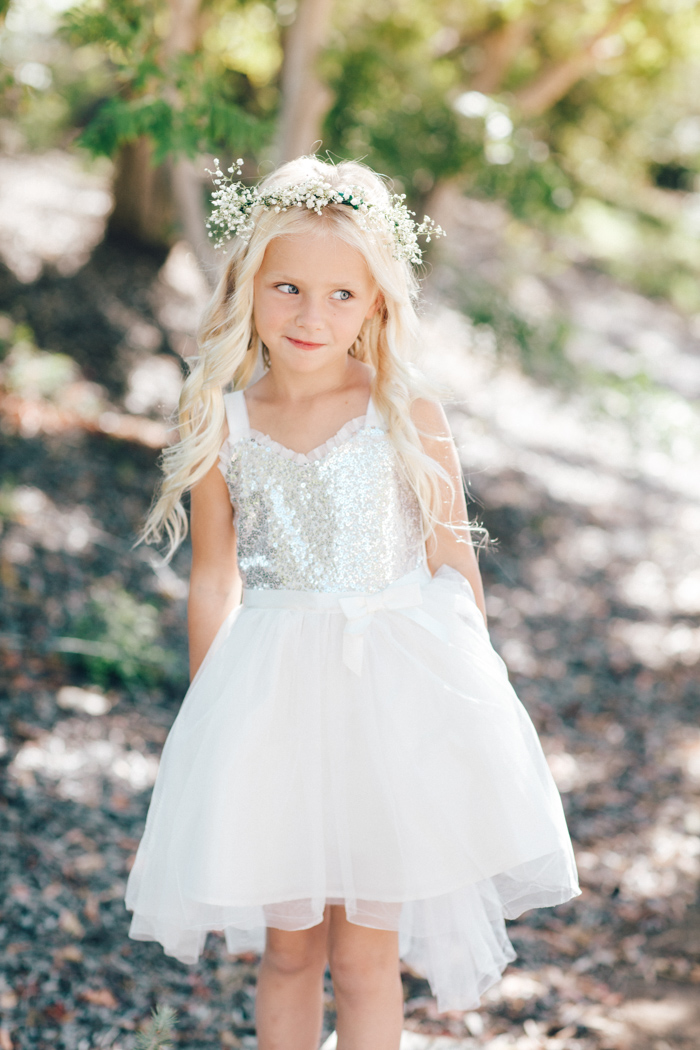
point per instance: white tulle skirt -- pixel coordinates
(360, 751)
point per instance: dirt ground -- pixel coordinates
(594, 602)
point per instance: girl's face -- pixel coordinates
(312, 294)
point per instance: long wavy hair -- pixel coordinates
(229, 347)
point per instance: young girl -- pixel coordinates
(351, 779)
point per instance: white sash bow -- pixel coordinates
(359, 610)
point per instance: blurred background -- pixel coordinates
(558, 143)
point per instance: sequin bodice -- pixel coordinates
(342, 519)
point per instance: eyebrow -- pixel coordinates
(281, 277)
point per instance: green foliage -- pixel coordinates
(418, 91)
(158, 1031)
(34, 373)
(397, 104)
(116, 640)
(426, 91)
(8, 507)
(185, 103)
(205, 124)
(391, 105)
(400, 68)
(538, 347)
(7, 334)
(653, 415)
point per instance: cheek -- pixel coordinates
(354, 319)
(268, 310)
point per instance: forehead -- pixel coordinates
(315, 255)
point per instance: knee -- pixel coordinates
(295, 953)
(358, 971)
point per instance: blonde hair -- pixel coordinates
(229, 348)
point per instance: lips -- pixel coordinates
(302, 345)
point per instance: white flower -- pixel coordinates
(234, 204)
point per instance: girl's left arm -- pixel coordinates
(448, 546)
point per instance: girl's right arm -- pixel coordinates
(215, 583)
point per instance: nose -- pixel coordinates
(309, 315)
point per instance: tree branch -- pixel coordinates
(555, 81)
(500, 48)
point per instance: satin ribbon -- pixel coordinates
(360, 608)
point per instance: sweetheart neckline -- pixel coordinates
(345, 432)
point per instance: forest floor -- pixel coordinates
(586, 480)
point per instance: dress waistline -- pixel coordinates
(404, 595)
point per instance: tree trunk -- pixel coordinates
(186, 182)
(188, 195)
(152, 202)
(144, 209)
(305, 99)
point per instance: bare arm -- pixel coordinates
(448, 547)
(215, 583)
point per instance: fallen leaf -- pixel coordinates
(100, 997)
(57, 1011)
(91, 910)
(70, 923)
(229, 1039)
(71, 953)
(88, 863)
(53, 890)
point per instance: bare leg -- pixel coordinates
(367, 983)
(289, 1000)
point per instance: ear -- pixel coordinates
(376, 305)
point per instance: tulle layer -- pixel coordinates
(414, 792)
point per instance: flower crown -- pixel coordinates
(234, 204)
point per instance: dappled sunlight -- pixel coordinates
(44, 524)
(684, 755)
(78, 768)
(154, 383)
(81, 758)
(593, 594)
(660, 862)
(575, 772)
(52, 212)
(568, 443)
(180, 296)
(655, 645)
(638, 498)
(46, 393)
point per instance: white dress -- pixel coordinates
(351, 736)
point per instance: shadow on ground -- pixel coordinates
(590, 606)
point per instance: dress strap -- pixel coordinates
(236, 415)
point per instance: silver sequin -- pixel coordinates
(345, 522)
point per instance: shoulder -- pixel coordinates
(434, 432)
(429, 418)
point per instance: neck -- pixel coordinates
(289, 385)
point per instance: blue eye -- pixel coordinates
(294, 291)
(345, 295)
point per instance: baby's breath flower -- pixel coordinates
(235, 204)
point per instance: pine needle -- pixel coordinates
(158, 1030)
